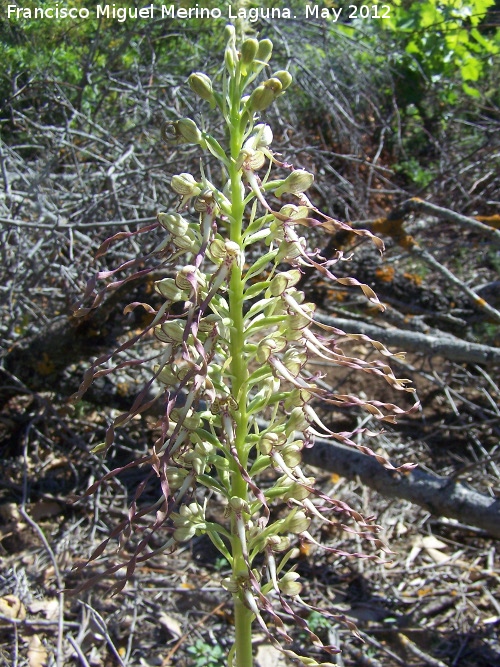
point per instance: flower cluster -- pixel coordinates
(234, 337)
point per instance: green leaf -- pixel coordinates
(471, 69)
(487, 44)
(473, 92)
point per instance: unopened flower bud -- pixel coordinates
(169, 290)
(189, 131)
(175, 477)
(268, 442)
(208, 323)
(255, 161)
(285, 78)
(239, 505)
(196, 461)
(202, 85)
(188, 513)
(202, 447)
(183, 131)
(184, 533)
(217, 249)
(229, 60)
(260, 98)
(167, 375)
(289, 585)
(229, 33)
(294, 212)
(262, 137)
(233, 250)
(249, 50)
(184, 184)
(174, 223)
(265, 50)
(278, 543)
(230, 54)
(297, 523)
(205, 202)
(296, 421)
(187, 241)
(188, 278)
(274, 85)
(298, 181)
(172, 331)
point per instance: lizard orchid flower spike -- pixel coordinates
(231, 347)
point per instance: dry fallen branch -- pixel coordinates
(415, 204)
(393, 226)
(473, 297)
(443, 345)
(438, 495)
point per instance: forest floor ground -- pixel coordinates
(436, 601)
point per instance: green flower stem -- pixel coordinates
(239, 373)
(243, 618)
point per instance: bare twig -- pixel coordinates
(474, 298)
(416, 650)
(78, 650)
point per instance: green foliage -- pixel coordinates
(318, 622)
(447, 43)
(441, 41)
(205, 655)
(412, 169)
(440, 58)
(81, 54)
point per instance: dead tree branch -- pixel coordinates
(438, 495)
(415, 204)
(474, 298)
(443, 345)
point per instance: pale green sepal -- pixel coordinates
(258, 236)
(210, 483)
(209, 437)
(220, 546)
(259, 307)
